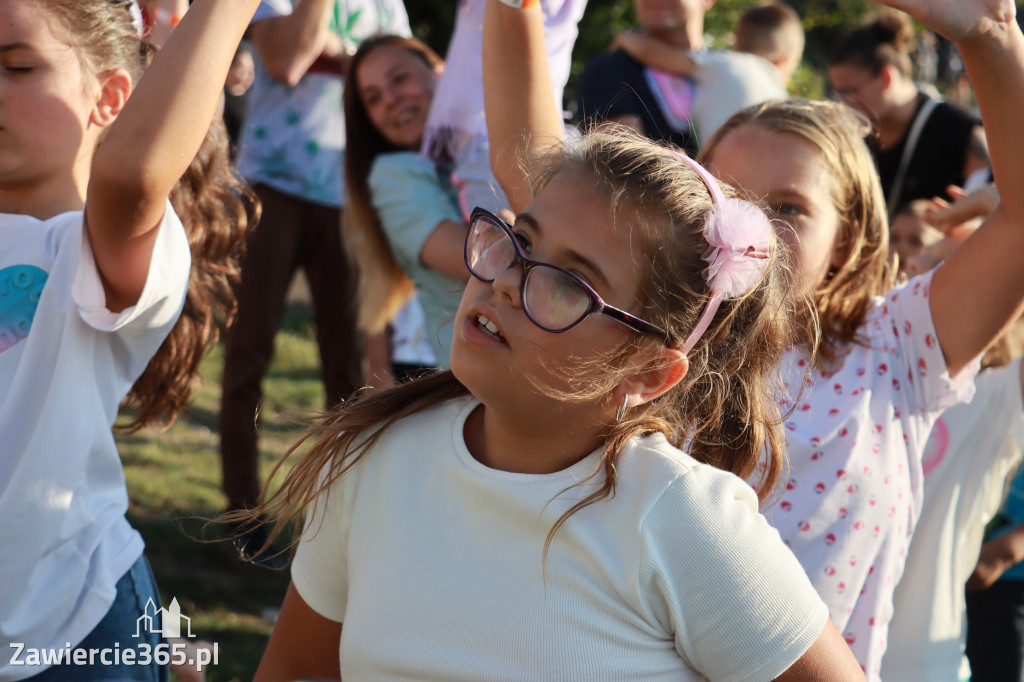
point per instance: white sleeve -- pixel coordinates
(908, 311)
(720, 578)
(320, 567)
(268, 9)
(162, 296)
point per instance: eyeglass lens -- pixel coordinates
(553, 300)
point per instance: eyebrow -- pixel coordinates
(787, 194)
(573, 255)
(10, 47)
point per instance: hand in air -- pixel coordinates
(960, 20)
(966, 211)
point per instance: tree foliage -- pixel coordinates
(824, 21)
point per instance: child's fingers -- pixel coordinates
(970, 207)
(957, 20)
(956, 191)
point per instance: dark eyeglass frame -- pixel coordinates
(597, 304)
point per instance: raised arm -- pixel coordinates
(651, 52)
(154, 139)
(522, 116)
(289, 44)
(980, 289)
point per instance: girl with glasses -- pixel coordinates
(869, 376)
(567, 502)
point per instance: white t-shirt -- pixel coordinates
(855, 442)
(65, 364)
(971, 451)
(728, 82)
(433, 562)
(458, 103)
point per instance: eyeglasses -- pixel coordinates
(553, 298)
(853, 91)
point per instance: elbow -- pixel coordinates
(286, 71)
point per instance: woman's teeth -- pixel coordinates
(488, 326)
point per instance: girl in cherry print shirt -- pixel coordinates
(887, 360)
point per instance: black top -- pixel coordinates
(614, 85)
(938, 159)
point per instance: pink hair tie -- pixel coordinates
(739, 235)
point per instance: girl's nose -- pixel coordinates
(509, 284)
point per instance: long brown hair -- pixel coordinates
(838, 133)
(724, 411)
(215, 206)
(383, 285)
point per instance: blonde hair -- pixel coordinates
(868, 270)
(724, 410)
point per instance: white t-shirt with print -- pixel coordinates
(856, 438)
(434, 563)
(65, 364)
(971, 451)
(294, 136)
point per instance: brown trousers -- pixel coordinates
(291, 234)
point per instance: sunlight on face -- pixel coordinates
(46, 101)
(569, 224)
(396, 87)
(790, 176)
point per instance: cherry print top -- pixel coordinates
(856, 439)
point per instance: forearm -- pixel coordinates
(522, 116)
(288, 45)
(659, 55)
(164, 122)
(968, 318)
(994, 65)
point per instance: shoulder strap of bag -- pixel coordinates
(908, 152)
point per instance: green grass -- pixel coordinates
(174, 487)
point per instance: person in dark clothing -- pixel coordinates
(616, 88)
(922, 145)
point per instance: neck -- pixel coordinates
(43, 200)
(894, 125)
(686, 36)
(532, 444)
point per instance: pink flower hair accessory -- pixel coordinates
(739, 238)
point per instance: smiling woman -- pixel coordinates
(403, 224)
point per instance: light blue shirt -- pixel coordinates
(411, 197)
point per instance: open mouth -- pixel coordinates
(487, 327)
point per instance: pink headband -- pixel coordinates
(739, 235)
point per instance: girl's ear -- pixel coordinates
(888, 74)
(664, 371)
(115, 88)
